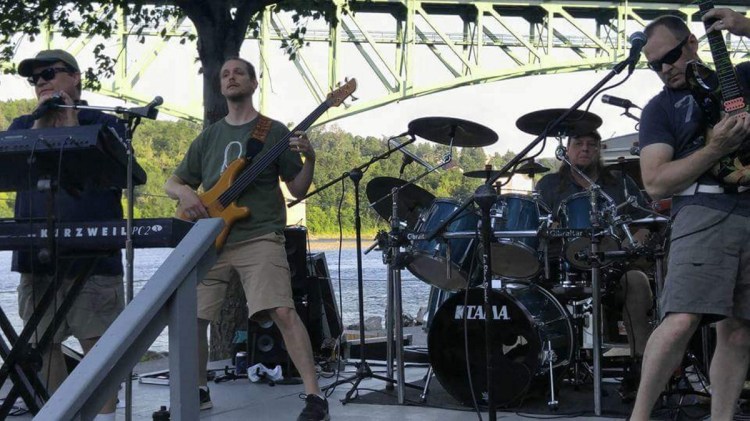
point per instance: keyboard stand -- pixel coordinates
(23, 361)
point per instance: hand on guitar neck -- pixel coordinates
(727, 20)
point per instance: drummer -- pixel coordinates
(634, 292)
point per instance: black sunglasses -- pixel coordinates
(672, 55)
(47, 74)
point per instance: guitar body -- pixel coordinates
(719, 93)
(210, 199)
(705, 88)
(221, 199)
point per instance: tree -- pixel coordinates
(221, 27)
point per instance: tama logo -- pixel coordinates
(477, 313)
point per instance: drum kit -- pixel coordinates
(535, 335)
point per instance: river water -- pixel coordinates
(343, 277)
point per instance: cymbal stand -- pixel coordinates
(485, 197)
(595, 218)
(363, 368)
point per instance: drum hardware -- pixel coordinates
(549, 357)
(485, 197)
(560, 123)
(363, 369)
(427, 380)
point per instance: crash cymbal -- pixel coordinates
(442, 130)
(412, 199)
(532, 167)
(577, 123)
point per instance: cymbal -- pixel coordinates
(412, 199)
(482, 173)
(577, 123)
(631, 167)
(532, 167)
(442, 130)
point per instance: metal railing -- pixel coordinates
(168, 299)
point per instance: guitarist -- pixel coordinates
(708, 277)
(255, 245)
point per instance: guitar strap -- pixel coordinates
(257, 137)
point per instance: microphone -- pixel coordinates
(52, 103)
(151, 110)
(637, 41)
(617, 102)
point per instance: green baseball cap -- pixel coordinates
(26, 67)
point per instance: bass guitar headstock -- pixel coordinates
(335, 98)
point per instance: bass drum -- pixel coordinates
(525, 318)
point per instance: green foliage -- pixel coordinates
(160, 145)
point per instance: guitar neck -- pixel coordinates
(248, 175)
(731, 93)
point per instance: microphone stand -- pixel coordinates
(619, 67)
(133, 116)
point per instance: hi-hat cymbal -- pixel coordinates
(412, 199)
(577, 123)
(532, 167)
(443, 130)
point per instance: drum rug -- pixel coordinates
(572, 403)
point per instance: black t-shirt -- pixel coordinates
(673, 117)
(90, 205)
(554, 189)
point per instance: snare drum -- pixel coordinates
(517, 258)
(575, 213)
(430, 261)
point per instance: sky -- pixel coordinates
(173, 74)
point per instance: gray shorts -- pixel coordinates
(263, 270)
(709, 269)
(99, 303)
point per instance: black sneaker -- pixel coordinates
(205, 398)
(316, 409)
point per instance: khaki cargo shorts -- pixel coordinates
(709, 265)
(263, 270)
(98, 304)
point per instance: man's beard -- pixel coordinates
(237, 97)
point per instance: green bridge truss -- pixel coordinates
(465, 42)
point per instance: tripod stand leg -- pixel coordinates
(426, 389)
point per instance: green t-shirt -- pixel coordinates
(220, 144)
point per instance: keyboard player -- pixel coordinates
(56, 76)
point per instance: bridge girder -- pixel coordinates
(469, 42)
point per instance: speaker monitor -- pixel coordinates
(296, 254)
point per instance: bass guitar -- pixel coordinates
(719, 93)
(220, 200)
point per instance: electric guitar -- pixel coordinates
(719, 93)
(220, 200)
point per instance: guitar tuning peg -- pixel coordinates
(354, 98)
